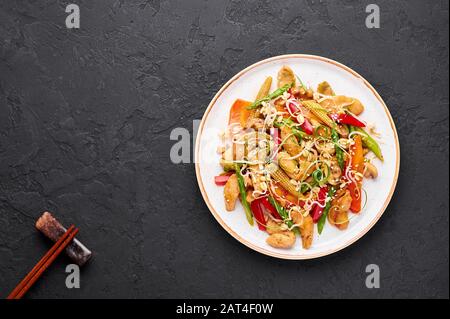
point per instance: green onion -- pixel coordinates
(305, 187)
(271, 96)
(243, 192)
(319, 177)
(323, 218)
(297, 133)
(326, 131)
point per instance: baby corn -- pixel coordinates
(282, 178)
(319, 112)
(263, 91)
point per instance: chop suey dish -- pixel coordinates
(295, 158)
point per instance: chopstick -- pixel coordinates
(43, 264)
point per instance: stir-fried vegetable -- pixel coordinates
(346, 118)
(221, 180)
(281, 177)
(320, 112)
(355, 171)
(301, 83)
(297, 160)
(307, 126)
(338, 150)
(298, 133)
(320, 177)
(263, 91)
(258, 213)
(370, 143)
(323, 218)
(320, 205)
(284, 196)
(271, 96)
(272, 210)
(281, 211)
(239, 113)
(243, 192)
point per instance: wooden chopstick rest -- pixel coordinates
(53, 229)
(43, 264)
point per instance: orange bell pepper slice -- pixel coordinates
(239, 113)
(280, 192)
(357, 165)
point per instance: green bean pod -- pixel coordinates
(339, 151)
(370, 142)
(243, 192)
(323, 218)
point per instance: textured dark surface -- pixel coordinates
(85, 118)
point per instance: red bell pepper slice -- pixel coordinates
(267, 205)
(345, 118)
(292, 107)
(317, 210)
(258, 213)
(307, 127)
(221, 180)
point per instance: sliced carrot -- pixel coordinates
(356, 151)
(239, 113)
(284, 194)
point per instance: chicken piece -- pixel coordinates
(325, 88)
(338, 218)
(285, 239)
(250, 198)
(256, 123)
(231, 192)
(297, 217)
(338, 214)
(343, 200)
(272, 227)
(307, 231)
(285, 76)
(340, 102)
(291, 144)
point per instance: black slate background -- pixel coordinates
(85, 118)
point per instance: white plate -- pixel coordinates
(312, 70)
